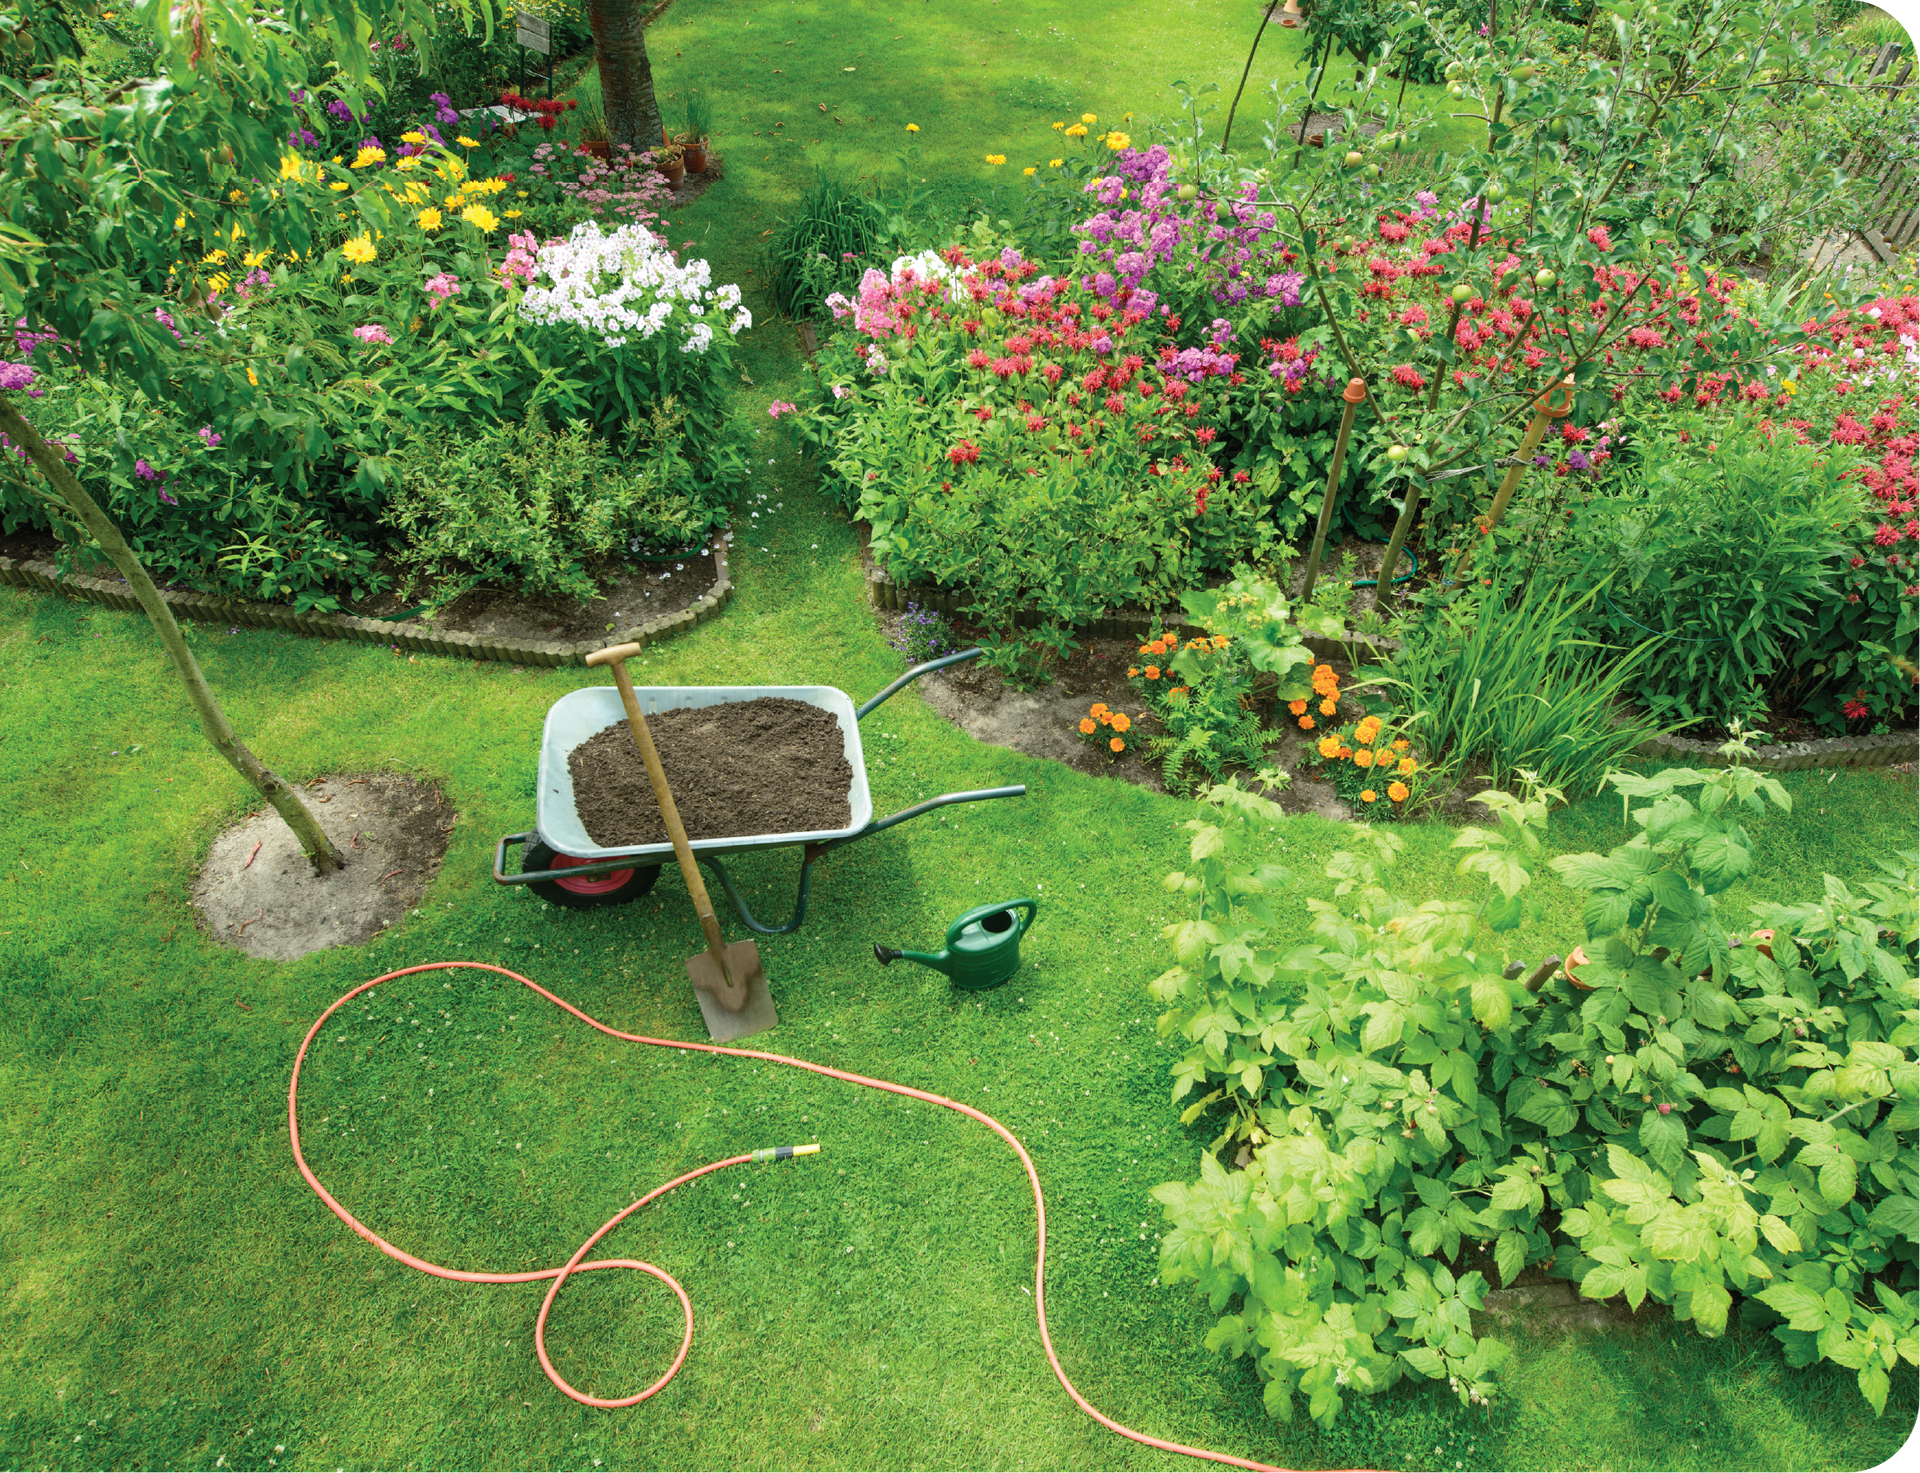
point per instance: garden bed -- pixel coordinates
(538, 647)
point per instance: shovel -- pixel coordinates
(729, 981)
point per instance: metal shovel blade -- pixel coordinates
(754, 1011)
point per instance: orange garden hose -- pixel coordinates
(576, 1265)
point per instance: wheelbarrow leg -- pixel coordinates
(811, 853)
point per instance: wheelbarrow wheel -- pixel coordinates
(589, 890)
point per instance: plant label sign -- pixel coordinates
(533, 32)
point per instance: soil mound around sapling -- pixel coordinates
(765, 766)
(256, 890)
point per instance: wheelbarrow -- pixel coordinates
(563, 865)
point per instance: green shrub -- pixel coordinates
(528, 507)
(1501, 677)
(1732, 558)
(1027, 450)
(1699, 1118)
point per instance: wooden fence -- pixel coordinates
(1896, 214)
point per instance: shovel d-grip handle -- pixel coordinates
(981, 912)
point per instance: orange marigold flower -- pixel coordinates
(1132, 670)
(1153, 672)
(1330, 746)
(1397, 792)
(1367, 795)
(1402, 745)
(1328, 707)
(1122, 721)
(1117, 745)
(1345, 752)
(1099, 708)
(1306, 723)
(1159, 647)
(1219, 641)
(1086, 726)
(1298, 708)
(1322, 672)
(1363, 758)
(1407, 766)
(1142, 650)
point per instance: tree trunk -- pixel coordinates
(626, 76)
(286, 802)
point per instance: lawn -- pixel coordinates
(174, 1294)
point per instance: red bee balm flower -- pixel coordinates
(965, 453)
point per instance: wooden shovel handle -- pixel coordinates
(663, 795)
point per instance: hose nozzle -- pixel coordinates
(781, 1153)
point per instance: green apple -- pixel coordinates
(1454, 89)
(1189, 191)
(1544, 278)
(1353, 160)
(1454, 69)
(1396, 453)
(1525, 73)
(1557, 129)
(1495, 192)
(1463, 293)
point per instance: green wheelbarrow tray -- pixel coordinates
(590, 870)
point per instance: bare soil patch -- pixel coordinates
(765, 766)
(630, 593)
(257, 892)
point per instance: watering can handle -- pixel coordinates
(981, 912)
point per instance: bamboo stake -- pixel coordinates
(1354, 393)
(1545, 410)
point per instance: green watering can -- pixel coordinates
(983, 946)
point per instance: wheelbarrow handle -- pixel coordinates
(914, 674)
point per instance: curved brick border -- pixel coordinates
(210, 609)
(1867, 751)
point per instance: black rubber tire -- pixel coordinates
(537, 856)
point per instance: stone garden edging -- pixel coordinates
(1865, 752)
(210, 608)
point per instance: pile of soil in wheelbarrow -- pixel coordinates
(765, 766)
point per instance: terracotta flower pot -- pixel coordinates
(672, 173)
(1575, 958)
(696, 159)
(600, 148)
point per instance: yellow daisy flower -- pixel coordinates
(996, 159)
(429, 219)
(480, 216)
(359, 250)
(1055, 163)
(913, 127)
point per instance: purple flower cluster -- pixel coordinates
(443, 110)
(256, 279)
(20, 451)
(303, 138)
(1235, 243)
(340, 112)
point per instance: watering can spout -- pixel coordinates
(983, 946)
(886, 955)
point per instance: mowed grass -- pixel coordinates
(174, 1295)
